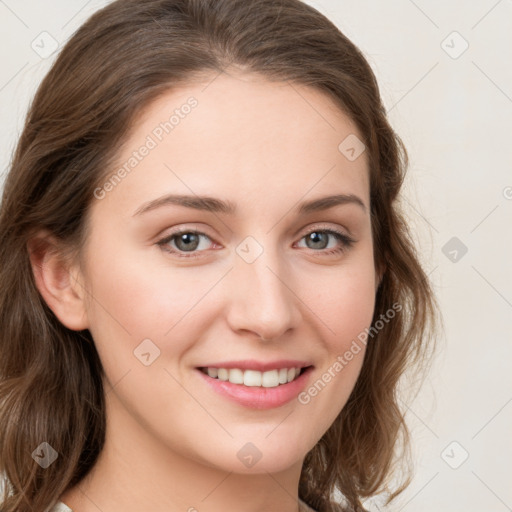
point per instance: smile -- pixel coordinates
(265, 388)
(254, 378)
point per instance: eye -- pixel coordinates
(184, 241)
(318, 239)
(189, 241)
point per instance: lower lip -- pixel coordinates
(257, 397)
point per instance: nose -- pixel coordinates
(262, 297)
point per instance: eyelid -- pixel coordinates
(327, 227)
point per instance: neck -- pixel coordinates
(135, 471)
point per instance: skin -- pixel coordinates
(171, 441)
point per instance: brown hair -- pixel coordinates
(119, 61)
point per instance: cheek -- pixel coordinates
(142, 294)
(346, 310)
(347, 303)
(131, 302)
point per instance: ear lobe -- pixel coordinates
(57, 281)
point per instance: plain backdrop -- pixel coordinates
(445, 74)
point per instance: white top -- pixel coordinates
(60, 507)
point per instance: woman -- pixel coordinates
(208, 292)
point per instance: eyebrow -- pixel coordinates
(215, 205)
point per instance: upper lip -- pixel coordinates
(250, 364)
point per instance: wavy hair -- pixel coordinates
(119, 61)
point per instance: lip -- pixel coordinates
(258, 397)
(251, 364)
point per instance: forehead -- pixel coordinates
(240, 136)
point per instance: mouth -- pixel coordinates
(254, 378)
(264, 388)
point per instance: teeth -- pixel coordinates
(270, 379)
(236, 376)
(254, 378)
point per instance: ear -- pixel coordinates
(58, 281)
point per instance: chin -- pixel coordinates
(258, 454)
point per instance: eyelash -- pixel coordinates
(346, 242)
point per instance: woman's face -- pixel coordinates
(257, 280)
